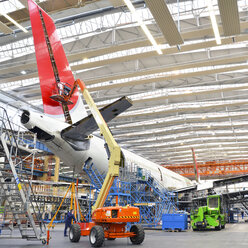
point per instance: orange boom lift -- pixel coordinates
(107, 222)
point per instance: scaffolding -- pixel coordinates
(16, 184)
(135, 187)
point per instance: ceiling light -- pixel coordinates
(67, 172)
(85, 60)
(176, 72)
(143, 26)
(209, 126)
(14, 22)
(203, 117)
(23, 72)
(214, 22)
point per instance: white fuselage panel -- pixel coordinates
(97, 152)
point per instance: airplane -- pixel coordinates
(66, 129)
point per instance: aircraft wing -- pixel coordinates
(81, 129)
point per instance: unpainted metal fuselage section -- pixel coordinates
(48, 131)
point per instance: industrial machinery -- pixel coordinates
(207, 217)
(107, 222)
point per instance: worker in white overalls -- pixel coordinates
(60, 87)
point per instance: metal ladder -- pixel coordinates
(94, 175)
(15, 187)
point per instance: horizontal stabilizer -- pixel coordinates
(83, 128)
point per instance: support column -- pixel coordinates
(44, 177)
(56, 169)
(56, 174)
(197, 176)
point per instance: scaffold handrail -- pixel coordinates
(9, 136)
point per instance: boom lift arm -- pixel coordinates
(116, 159)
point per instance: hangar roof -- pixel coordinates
(193, 95)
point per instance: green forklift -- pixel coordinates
(210, 216)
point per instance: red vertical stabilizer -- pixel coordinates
(48, 82)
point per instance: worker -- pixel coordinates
(242, 214)
(68, 219)
(60, 86)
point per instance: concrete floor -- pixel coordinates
(234, 236)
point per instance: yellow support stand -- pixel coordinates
(56, 174)
(73, 205)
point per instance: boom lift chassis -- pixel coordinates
(107, 222)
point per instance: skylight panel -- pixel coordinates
(10, 6)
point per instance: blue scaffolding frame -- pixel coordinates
(142, 191)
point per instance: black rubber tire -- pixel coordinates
(195, 229)
(223, 227)
(75, 233)
(96, 236)
(140, 234)
(218, 228)
(111, 238)
(43, 241)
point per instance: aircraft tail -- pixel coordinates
(53, 67)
